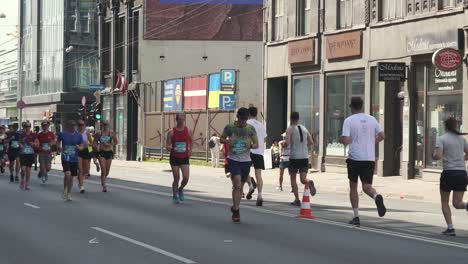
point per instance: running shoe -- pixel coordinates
(279, 188)
(35, 167)
(175, 200)
(235, 215)
(16, 178)
(355, 222)
(449, 232)
(254, 184)
(380, 205)
(69, 198)
(27, 187)
(45, 177)
(39, 175)
(97, 167)
(2, 169)
(296, 203)
(313, 190)
(22, 185)
(249, 194)
(259, 202)
(228, 175)
(11, 178)
(104, 189)
(64, 195)
(82, 190)
(181, 195)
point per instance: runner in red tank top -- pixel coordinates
(179, 143)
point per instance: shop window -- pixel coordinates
(278, 19)
(340, 90)
(392, 9)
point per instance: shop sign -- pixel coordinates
(445, 81)
(447, 59)
(428, 43)
(344, 45)
(301, 51)
(392, 71)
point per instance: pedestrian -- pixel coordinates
(13, 138)
(241, 138)
(361, 132)
(179, 143)
(452, 148)
(70, 142)
(28, 143)
(3, 147)
(225, 150)
(257, 155)
(214, 149)
(105, 142)
(299, 140)
(284, 151)
(46, 141)
(84, 155)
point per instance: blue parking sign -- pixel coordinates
(228, 80)
(227, 102)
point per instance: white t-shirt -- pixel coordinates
(261, 134)
(362, 129)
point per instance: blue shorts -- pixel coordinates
(240, 168)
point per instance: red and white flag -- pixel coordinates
(195, 93)
(122, 83)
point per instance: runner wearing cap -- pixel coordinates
(46, 141)
(13, 139)
(241, 138)
(28, 143)
(105, 141)
(179, 143)
(361, 132)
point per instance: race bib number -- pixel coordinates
(105, 139)
(70, 151)
(14, 144)
(180, 147)
(45, 146)
(239, 147)
(28, 149)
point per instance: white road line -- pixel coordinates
(32, 206)
(141, 244)
(322, 221)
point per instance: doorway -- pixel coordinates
(277, 108)
(393, 129)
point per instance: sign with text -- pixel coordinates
(228, 80)
(343, 45)
(430, 42)
(227, 102)
(172, 95)
(301, 51)
(96, 87)
(391, 71)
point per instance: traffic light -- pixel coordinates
(97, 116)
(96, 111)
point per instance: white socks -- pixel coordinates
(450, 226)
(375, 195)
(356, 212)
(251, 187)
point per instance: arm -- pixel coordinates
(114, 138)
(224, 139)
(439, 150)
(169, 141)
(310, 141)
(191, 144)
(466, 150)
(345, 137)
(254, 143)
(288, 141)
(380, 137)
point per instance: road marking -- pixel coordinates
(322, 221)
(94, 241)
(227, 241)
(32, 206)
(141, 244)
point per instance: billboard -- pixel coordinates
(172, 95)
(195, 93)
(216, 97)
(204, 20)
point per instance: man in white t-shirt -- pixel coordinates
(361, 132)
(257, 155)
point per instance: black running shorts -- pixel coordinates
(257, 161)
(363, 170)
(453, 180)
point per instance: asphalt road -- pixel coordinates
(137, 223)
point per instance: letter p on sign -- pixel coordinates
(228, 77)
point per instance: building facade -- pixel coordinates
(319, 54)
(8, 85)
(58, 58)
(151, 42)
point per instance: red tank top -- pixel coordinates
(180, 143)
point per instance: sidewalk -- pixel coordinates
(389, 187)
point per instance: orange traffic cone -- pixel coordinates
(306, 211)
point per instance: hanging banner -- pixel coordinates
(195, 93)
(173, 95)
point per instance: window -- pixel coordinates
(345, 9)
(392, 9)
(303, 17)
(105, 48)
(135, 40)
(450, 3)
(120, 45)
(278, 19)
(340, 89)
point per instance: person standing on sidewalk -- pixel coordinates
(361, 132)
(46, 141)
(452, 148)
(28, 143)
(179, 143)
(241, 138)
(299, 139)
(284, 151)
(213, 144)
(256, 155)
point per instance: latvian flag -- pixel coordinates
(122, 83)
(195, 93)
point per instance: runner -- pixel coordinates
(46, 141)
(452, 148)
(93, 151)
(179, 143)
(241, 138)
(361, 132)
(69, 142)
(256, 155)
(13, 152)
(299, 140)
(28, 143)
(84, 155)
(3, 148)
(105, 142)
(284, 151)
(37, 129)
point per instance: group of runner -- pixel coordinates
(243, 145)
(77, 145)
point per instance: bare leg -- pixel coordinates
(236, 191)
(369, 190)
(457, 200)
(258, 176)
(102, 161)
(294, 185)
(353, 194)
(444, 198)
(281, 178)
(175, 183)
(185, 175)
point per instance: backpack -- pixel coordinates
(211, 144)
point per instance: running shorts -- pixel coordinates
(257, 161)
(177, 162)
(72, 167)
(240, 168)
(45, 158)
(453, 180)
(107, 155)
(363, 170)
(27, 160)
(298, 166)
(84, 154)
